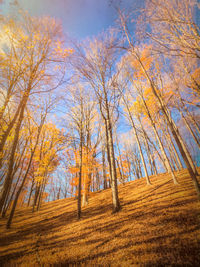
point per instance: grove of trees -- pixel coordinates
(78, 117)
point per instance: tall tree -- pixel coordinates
(97, 65)
(35, 44)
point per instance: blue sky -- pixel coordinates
(80, 18)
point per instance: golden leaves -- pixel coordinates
(141, 62)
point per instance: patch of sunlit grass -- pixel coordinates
(158, 225)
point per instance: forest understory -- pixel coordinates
(158, 225)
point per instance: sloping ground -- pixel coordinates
(158, 225)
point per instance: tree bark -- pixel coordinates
(116, 204)
(80, 176)
(104, 168)
(8, 179)
(166, 160)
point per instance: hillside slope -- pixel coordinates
(158, 225)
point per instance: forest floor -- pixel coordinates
(158, 225)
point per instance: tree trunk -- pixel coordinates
(30, 194)
(40, 194)
(8, 179)
(9, 202)
(37, 190)
(129, 166)
(179, 141)
(104, 169)
(175, 151)
(166, 160)
(190, 129)
(116, 204)
(15, 203)
(120, 163)
(80, 176)
(138, 142)
(151, 159)
(9, 128)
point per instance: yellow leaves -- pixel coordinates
(145, 57)
(141, 62)
(147, 92)
(37, 36)
(60, 51)
(30, 47)
(58, 47)
(6, 28)
(89, 165)
(68, 51)
(46, 155)
(39, 179)
(137, 107)
(74, 170)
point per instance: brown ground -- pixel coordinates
(157, 226)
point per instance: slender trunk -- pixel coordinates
(80, 176)
(138, 142)
(9, 128)
(186, 157)
(40, 195)
(191, 117)
(151, 159)
(84, 193)
(134, 52)
(30, 194)
(156, 150)
(97, 179)
(58, 194)
(87, 190)
(15, 203)
(6, 207)
(166, 160)
(108, 153)
(175, 150)
(120, 164)
(129, 166)
(8, 179)
(175, 132)
(116, 204)
(9, 94)
(174, 163)
(104, 169)
(37, 190)
(119, 168)
(141, 153)
(190, 129)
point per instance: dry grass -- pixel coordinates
(158, 225)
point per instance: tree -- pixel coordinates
(38, 73)
(46, 158)
(173, 26)
(156, 90)
(96, 65)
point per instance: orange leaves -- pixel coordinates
(146, 58)
(150, 99)
(141, 62)
(137, 107)
(61, 51)
(89, 165)
(46, 157)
